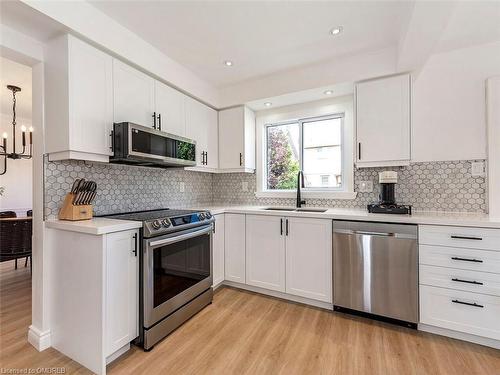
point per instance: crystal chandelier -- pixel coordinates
(24, 154)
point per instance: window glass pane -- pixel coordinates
(322, 162)
(282, 156)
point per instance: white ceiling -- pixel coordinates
(260, 37)
(12, 73)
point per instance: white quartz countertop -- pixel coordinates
(96, 226)
(100, 226)
(429, 218)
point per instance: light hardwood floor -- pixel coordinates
(246, 333)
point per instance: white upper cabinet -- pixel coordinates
(265, 252)
(78, 101)
(134, 95)
(170, 109)
(237, 140)
(309, 258)
(383, 111)
(202, 126)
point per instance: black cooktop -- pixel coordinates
(151, 214)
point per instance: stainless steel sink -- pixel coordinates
(311, 210)
(290, 209)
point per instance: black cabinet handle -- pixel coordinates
(214, 227)
(281, 226)
(467, 281)
(287, 227)
(112, 135)
(359, 150)
(159, 121)
(206, 157)
(241, 159)
(467, 303)
(135, 244)
(467, 260)
(154, 120)
(466, 238)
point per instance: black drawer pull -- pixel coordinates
(466, 238)
(467, 303)
(467, 281)
(467, 260)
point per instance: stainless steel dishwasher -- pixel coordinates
(375, 269)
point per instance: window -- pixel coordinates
(313, 145)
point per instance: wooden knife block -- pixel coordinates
(69, 211)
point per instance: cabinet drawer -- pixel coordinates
(468, 281)
(464, 259)
(474, 238)
(461, 311)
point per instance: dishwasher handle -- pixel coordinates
(371, 233)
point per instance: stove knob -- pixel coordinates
(156, 224)
(208, 215)
(165, 223)
(201, 216)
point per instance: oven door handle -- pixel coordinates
(182, 237)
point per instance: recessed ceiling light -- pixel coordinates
(336, 30)
(328, 92)
(268, 104)
(228, 63)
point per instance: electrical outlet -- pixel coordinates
(477, 169)
(244, 185)
(181, 187)
(365, 186)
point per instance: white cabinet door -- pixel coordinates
(212, 151)
(309, 258)
(383, 121)
(169, 104)
(265, 252)
(218, 250)
(234, 248)
(122, 290)
(90, 98)
(133, 97)
(231, 138)
(197, 128)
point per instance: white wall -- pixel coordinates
(18, 180)
(449, 120)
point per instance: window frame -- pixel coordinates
(300, 122)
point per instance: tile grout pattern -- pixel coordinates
(432, 186)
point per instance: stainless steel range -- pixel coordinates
(176, 269)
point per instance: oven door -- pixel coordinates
(177, 268)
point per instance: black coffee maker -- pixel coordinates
(387, 197)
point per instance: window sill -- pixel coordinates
(307, 194)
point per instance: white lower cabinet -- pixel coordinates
(122, 290)
(218, 250)
(265, 252)
(460, 280)
(309, 258)
(472, 313)
(234, 248)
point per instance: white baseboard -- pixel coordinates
(288, 297)
(40, 340)
(110, 358)
(460, 335)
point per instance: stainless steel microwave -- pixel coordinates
(145, 146)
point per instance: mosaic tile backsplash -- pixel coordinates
(435, 186)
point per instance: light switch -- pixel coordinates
(477, 169)
(181, 187)
(244, 185)
(365, 186)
